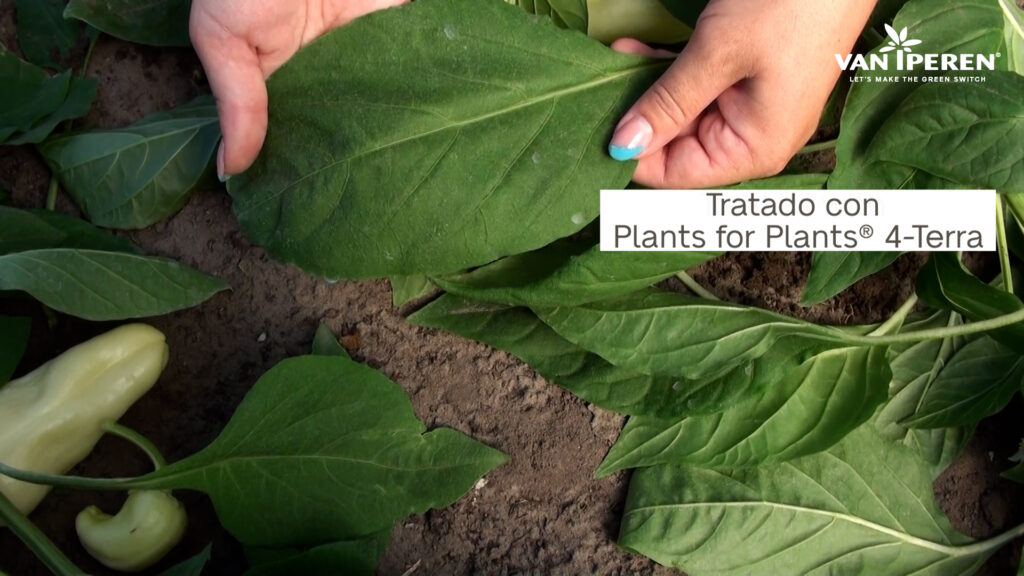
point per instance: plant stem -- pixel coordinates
(51, 195)
(937, 333)
(695, 287)
(36, 541)
(1004, 252)
(66, 481)
(819, 146)
(992, 543)
(896, 320)
(140, 441)
(88, 54)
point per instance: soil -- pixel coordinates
(542, 512)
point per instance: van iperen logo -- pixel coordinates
(899, 55)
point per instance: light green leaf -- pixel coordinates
(330, 450)
(99, 285)
(325, 343)
(14, 333)
(348, 558)
(154, 22)
(136, 176)
(590, 377)
(833, 272)
(863, 507)
(32, 103)
(671, 334)
(44, 35)
(944, 27)
(646, 20)
(191, 567)
(405, 289)
(22, 230)
(978, 381)
(1014, 35)
(482, 134)
(571, 14)
(810, 407)
(967, 133)
(556, 276)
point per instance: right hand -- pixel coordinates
(241, 43)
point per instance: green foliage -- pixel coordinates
(325, 343)
(571, 14)
(323, 194)
(348, 557)
(833, 272)
(136, 176)
(42, 229)
(347, 436)
(154, 22)
(32, 103)
(406, 289)
(14, 333)
(191, 567)
(45, 37)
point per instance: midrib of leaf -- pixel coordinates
(459, 124)
(952, 551)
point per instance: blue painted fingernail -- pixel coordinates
(623, 154)
(630, 139)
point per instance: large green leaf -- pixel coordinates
(44, 35)
(191, 567)
(863, 507)
(99, 285)
(967, 133)
(136, 176)
(915, 366)
(153, 22)
(571, 14)
(325, 343)
(405, 289)
(347, 557)
(324, 449)
(482, 134)
(945, 284)
(978, 381)
(590, 377)
(833, 272)
(14, 333)
(1014, 35)
(943, 26)
(671, 334)
(809, 408)
(546, 279)
(22, 230)
(32, 103)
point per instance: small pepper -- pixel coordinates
(51, 418)
(149, 525)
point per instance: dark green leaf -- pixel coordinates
(914, 368)
(978, 381)
(44, 35)
(967, 133)
(136, 176)
(808, 409)
(405, 289)
(326, 344)
(833, 272)
(14, 333)
(943, 26)
(687, 11)
(590, 377)
(348, 558)
(1016, 473)
(324, 449)
(474, 138)
(671, 334)
(571, 14)
(191, 567)
(555, 277)
(945, 284)
(154, 22)
(106, 285)
(32, 103)
(863, 507)
(22, 230)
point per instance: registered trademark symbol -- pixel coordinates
(866, 231)
(999, 54)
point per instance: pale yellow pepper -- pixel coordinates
(149, 525)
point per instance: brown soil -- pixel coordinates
(541, 513)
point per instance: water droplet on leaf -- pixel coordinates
(578, 218)
(450, 31)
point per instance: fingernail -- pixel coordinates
(220, 165)
(630, 139)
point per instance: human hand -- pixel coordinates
(241, 43)
(744, 95)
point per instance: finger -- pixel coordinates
(238, 83)
(632, 46)
(694, 80)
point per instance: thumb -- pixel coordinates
(237, 81)
(698, 76)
